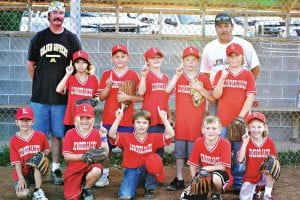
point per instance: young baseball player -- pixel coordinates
(80, 176)
(152, 86)
(187, 128)
(212, 153)
(23, 146)
(235, 89)
(137, 146)
(255, 148)
(79, 82)
(109, 92)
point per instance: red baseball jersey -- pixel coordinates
(188, 117)
(220, 154)
(78, 90)
(111, 103)
(155, 95)
(135, 151)
(75, 143)
(22, 149)
(255, 155)
(235, 90)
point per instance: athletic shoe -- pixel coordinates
(39, 195)
(216, 197)
(256, 195)
(149, 194)
(102, 181)
(268, 197)
(87, 194)
(176, 185)
(56, 177)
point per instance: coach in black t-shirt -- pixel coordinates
(49, 53)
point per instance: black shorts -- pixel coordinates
(223, 175)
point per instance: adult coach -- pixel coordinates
(214, 53)
(50, 51)
(214, 58)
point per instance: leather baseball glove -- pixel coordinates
(271, 166)
(201, 183)
(92, 101)
(95, 155)
(129, 88)
(197, 97)
(236, 129)
(39, 161)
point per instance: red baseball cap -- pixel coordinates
(234, 48)
(84, 110)
(119, 47)
(24, 113)
(154, 166)
(256, 115)
(152, 52)
(80, 54)
(191, 51)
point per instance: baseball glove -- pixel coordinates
(94, 155)
(92, 101)
(271, 166)
(129, 88)
(39, 161)
(236, 129)
(197, 97)
(201, 183)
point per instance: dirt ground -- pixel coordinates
(287, 188)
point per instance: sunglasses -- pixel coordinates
(222, 18)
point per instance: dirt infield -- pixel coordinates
(287, 188)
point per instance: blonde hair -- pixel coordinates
(211, 119)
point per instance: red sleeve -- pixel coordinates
(118, 141)
(272, 147)
(194, 158)
(206, 82)
(14, 155)
(46, 143)
(251, 84)
(67, 143)
(225, 157)
(216, 79)
(104, 77)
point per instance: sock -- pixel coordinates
(55, 166)
(268, 191)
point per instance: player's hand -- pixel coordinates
(179, 70)
(119, 114)
(122, 97)
(246, 137)
(70, 68)
(224, 74)
(103, 131)
(21, 185)
(196, 85)
(109, 81)
(144, 70)
(163, 114)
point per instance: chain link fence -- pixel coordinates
(264, 18)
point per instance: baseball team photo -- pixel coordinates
(127, 99)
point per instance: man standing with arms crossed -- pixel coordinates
(50, 51)
(214, 59)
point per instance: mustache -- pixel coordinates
(58, 19)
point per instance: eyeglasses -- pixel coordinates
(222, 18)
